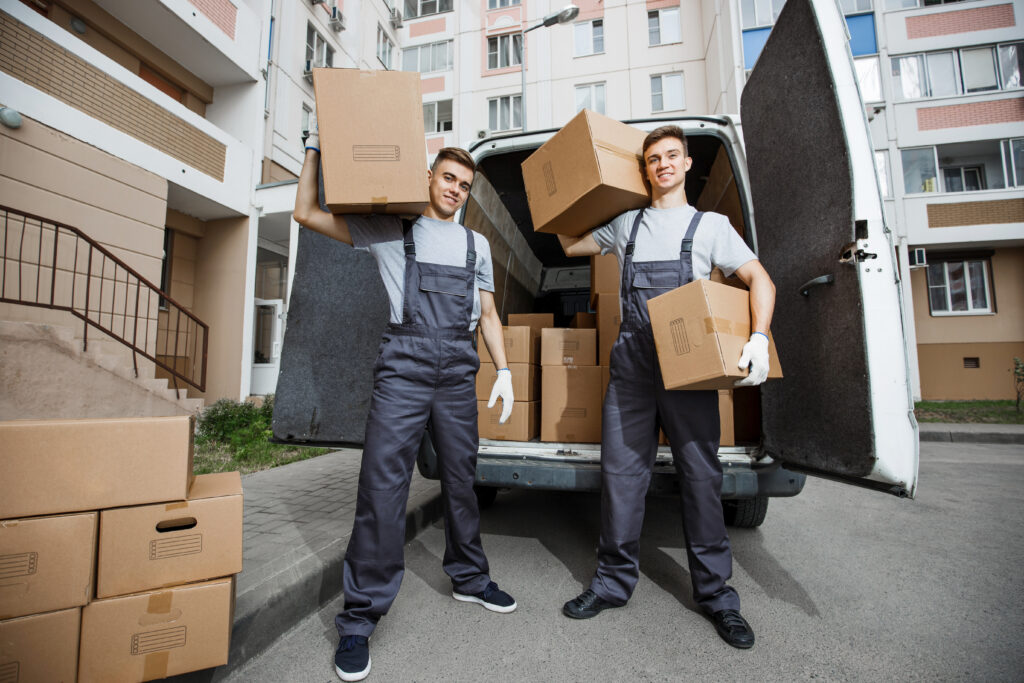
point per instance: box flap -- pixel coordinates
(215, 485)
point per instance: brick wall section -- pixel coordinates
(971, 114)
(220, 12)
(976, 213)
(41, 63)
(960, 21)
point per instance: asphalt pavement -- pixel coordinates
(297, 519)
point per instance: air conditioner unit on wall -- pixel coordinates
(337, 21)
(918, 258)
(396, 17)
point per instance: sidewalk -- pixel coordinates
(297, 521)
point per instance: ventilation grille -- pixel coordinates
(972, 363)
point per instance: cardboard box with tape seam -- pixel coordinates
(584, 175)
(699, 331)
(40, 647)
(605, 276)
(156, 634)
(154, 546)
(608, 322)
(56, 466)
(371, 140)
(46, 563)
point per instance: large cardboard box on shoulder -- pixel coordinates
(371, 140)
(584, 175)
(522, 345)
(55, 466)
(46, 563)
(152, 635)
(568, 346)
(571, 404)
(525, 381)
(699, 331)
(154, 546)
(40, 647)
(522, 424)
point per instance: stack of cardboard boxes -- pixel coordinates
(571, 387)
(116, 564)
(522, 354)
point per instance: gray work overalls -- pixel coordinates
(635, 404)
(425, 373)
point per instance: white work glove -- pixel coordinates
(313, 141)
(755, 355)
(503, 388)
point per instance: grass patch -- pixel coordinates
(236, 436)
(980, 412)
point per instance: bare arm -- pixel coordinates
(307, 203)
(580, 246)
(490, 326)
(762, 295)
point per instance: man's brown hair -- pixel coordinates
(456, 154)
(662, 133)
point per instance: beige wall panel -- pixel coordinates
(944, 378)
(1007, 325)
(220, 302)
(185, 247)
(183, 223)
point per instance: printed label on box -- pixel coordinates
(9, 672)
(163, 548)
(680, 342)
(20, 564)
(376, 153)
(158, 641)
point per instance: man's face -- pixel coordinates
(666, 164)
(449, 187)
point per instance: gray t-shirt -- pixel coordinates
(661, 231)
(441, 242)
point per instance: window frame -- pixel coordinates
(438, 128)
(656, 14)
(964, 262)
(319, 48)
(960, 82)
(682, 91)
(593, 24)
(513, 99)
(592, 88)
(501, 4)
(450, 60)
(384, 40)
(505, 45)
(418, 12)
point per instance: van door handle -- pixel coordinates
(805, 289)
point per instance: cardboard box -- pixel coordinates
(154, 546)
(699, 331)
(371, 141)
(522, 425)
(41, 647)
(740, 413)
(605, 276)
(584, 175)
(609, 317)
(567, 346)
(46, 563)
(525, 381)
(54, 466)
(571, 404)
(605, 379)
(146, 636)
(522, 345)
(584, 321)
(535, 321)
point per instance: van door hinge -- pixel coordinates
(856, 252)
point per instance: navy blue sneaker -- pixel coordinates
(352, 660)
(492, 597)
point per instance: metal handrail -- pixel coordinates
(117, 300)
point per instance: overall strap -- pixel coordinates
(471, 267)
(686, 250)
(410, 270)
(627, 270)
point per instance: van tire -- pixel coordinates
(485, 496)
(745, 513)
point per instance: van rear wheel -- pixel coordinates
(745, 513)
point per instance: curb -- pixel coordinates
(955, 436)
(270, 609)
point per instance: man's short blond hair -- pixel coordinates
(456, 154)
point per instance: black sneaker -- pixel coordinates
(733, 628)
(352, 660)
(587, 604)
(492, 597)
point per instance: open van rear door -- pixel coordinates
(844, 408)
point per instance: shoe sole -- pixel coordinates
(488, 605)
(584, 615)
(357, 676)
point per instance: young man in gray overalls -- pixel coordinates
(637, 402)
(439, 279)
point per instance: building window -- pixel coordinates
(498, 4)
(882, 169)
(759, 13)
(667, 92)
(663, 26)
(318, 52)
(919, 170)
(504, 51)
(962, 166)
(385, 46)
(909, 4)
(437, 116)
(869, 78)
(428, 58)
(421, 8)
(954, 72)
(505, 113)
(1013, 161)
(959, 287)
(590, 96)
(589, 37)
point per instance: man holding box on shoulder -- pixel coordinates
(637, 402)
(439, 279)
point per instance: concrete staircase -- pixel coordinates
(45, 374)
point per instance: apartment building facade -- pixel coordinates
(945, 102)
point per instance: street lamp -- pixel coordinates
(563, 16)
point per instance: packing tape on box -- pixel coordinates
(619, 152)
(160, 603)
(176, 506)
(726, 326)
(154, 666)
